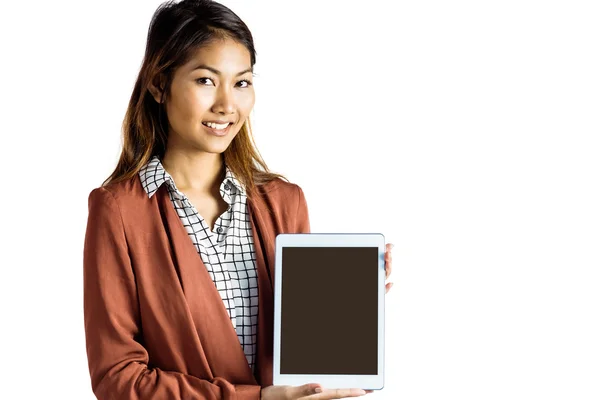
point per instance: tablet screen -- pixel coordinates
(329, 310)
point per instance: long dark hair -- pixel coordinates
(177, 30)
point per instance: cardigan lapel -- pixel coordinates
(264, 242)
(211, 319)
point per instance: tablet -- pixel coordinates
(329, 310)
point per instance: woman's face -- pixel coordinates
(214, 87)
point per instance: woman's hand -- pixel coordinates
(388, 265)
(307, 392)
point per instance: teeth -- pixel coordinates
(216, 126)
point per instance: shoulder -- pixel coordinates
(118, 194)
(287, 200)
(279, 191)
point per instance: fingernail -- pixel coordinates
(392, 245)
(318, 390)
(362, 392)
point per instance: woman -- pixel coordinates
(166, 317)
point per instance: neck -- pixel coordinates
(199, 172)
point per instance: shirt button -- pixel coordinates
(220, 230)
(227, 187)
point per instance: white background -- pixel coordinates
(467, 132)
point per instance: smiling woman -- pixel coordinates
(208, 97)
(196, 76)
(179, 246)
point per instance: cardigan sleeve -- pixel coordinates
(302, 218)
(118, 362)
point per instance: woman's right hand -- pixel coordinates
(307, 392)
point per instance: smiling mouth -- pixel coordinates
(217, 126)
(214, 128)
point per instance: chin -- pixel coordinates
(215, 149)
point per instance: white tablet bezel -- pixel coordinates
(367, 382)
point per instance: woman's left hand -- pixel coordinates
(388, 265)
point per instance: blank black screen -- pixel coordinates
(329, 310)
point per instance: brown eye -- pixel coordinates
(202, 80)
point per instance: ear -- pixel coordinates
(156, 88)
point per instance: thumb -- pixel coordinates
(305, 390)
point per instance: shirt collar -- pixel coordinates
(153, 175)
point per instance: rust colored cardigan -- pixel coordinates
(155, 325)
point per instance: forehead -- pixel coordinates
(226, 55)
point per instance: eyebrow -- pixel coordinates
(217, 72)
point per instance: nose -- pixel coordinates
(224, 101)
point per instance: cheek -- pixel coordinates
(186, 108)
(246, 103)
